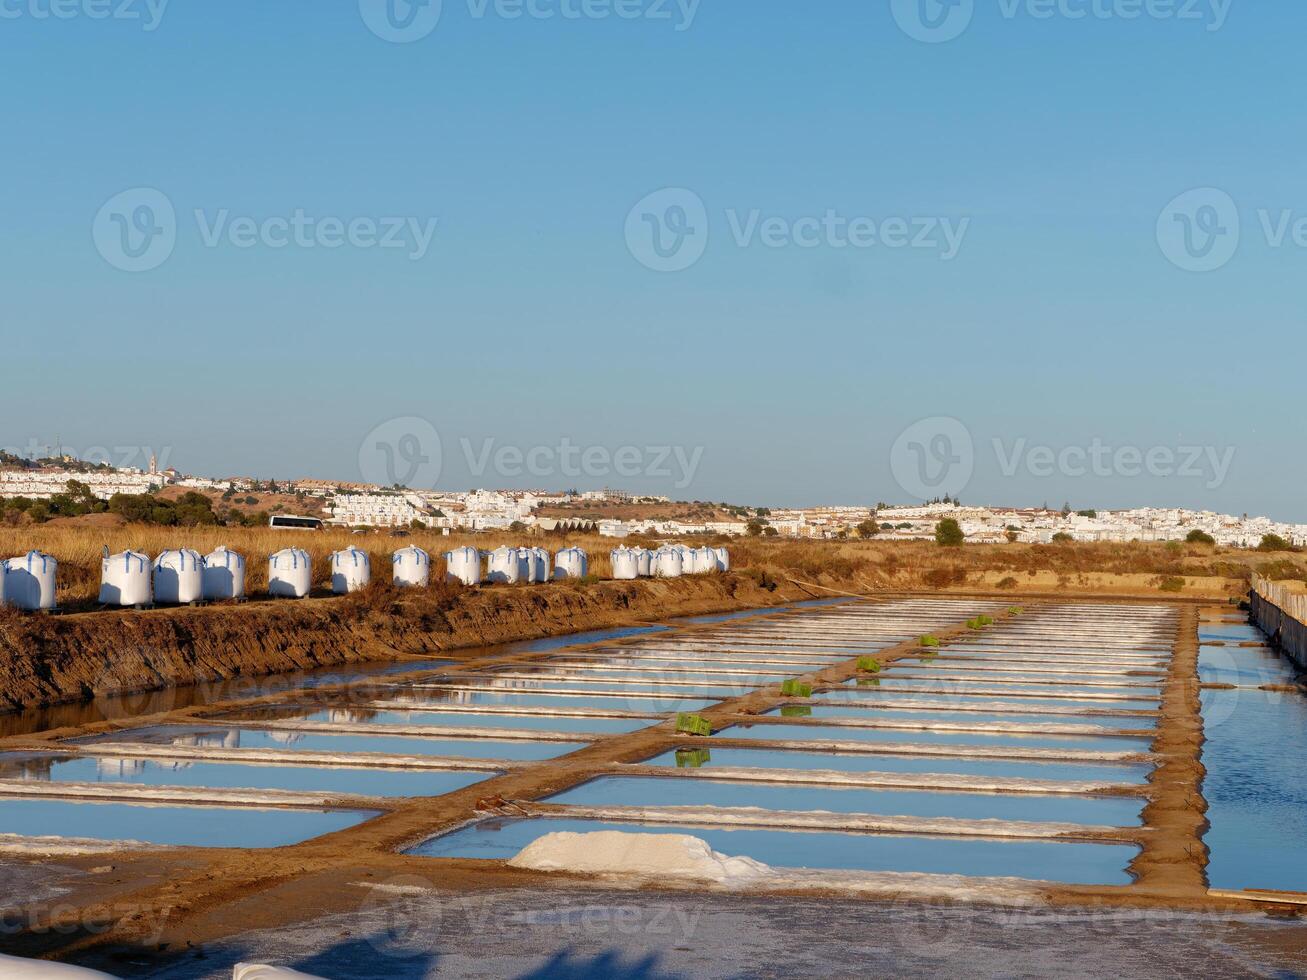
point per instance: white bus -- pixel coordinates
(288, 523)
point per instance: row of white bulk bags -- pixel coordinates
(179, 576)
(29, 582)
(571, 563)
(224, 574)
(290, 574)
(410, 568)
(463, 565)
(351, 570)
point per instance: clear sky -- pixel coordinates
(821, 311)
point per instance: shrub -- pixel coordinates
(1273, 542)
(1197, 536)
(870, 664)
(1007, 583)
(1062, 538)
(948, 533)
(1171, 583)
(930, 640)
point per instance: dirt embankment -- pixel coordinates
(52, 659)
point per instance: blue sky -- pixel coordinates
(787, 373)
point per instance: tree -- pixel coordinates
(1062, 538)
(754, 528)
(1092, 514)
(948, 533)
(1197, 536)
(1273, 542)
(868, 529)
(770, 532)
(1012, 536)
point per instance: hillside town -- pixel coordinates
(368, 506)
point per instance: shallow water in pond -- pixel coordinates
(895, 679)
(1008, 769)
(1090, 864)
(519, 750)
(564, 702)
(831, 733)
(1241, 633)
(876, 695)
(447, 719)
(1256, 788)
(517, 686)
(970, 717)
(178, 826)
(656, 791)
(229, 775)
(1243, 666)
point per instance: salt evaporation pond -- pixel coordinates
(445, 719)
(101, 770)
(873, 696)
(1075, 863)
(519, 750)
(655, 791)
(1114, 775)
(849, 733)
(172, 826)
(1256, 782)
(886, 713)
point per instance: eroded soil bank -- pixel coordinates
(53, 659)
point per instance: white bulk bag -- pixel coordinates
(668, 563)
(644, 559)
(624, 564)
(571, 563)
(260, 971)
(17, 968)
(30, 582)
(290, 573)
(410, 568)
(4, 574)
(351, 570)
(539, 565)
(463, 565)
(179, 576)
(224, 574)
(505, 566)
(723, 559)
(125, 579)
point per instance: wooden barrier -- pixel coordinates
(1281, 612)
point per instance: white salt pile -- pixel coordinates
(657, 856)
(17, 968)
(258, 971)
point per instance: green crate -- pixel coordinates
(796, 689)
(691, 724)
(985, 620)
(692, 758)
(870, 664)
(1014, 610)
(930, 641)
